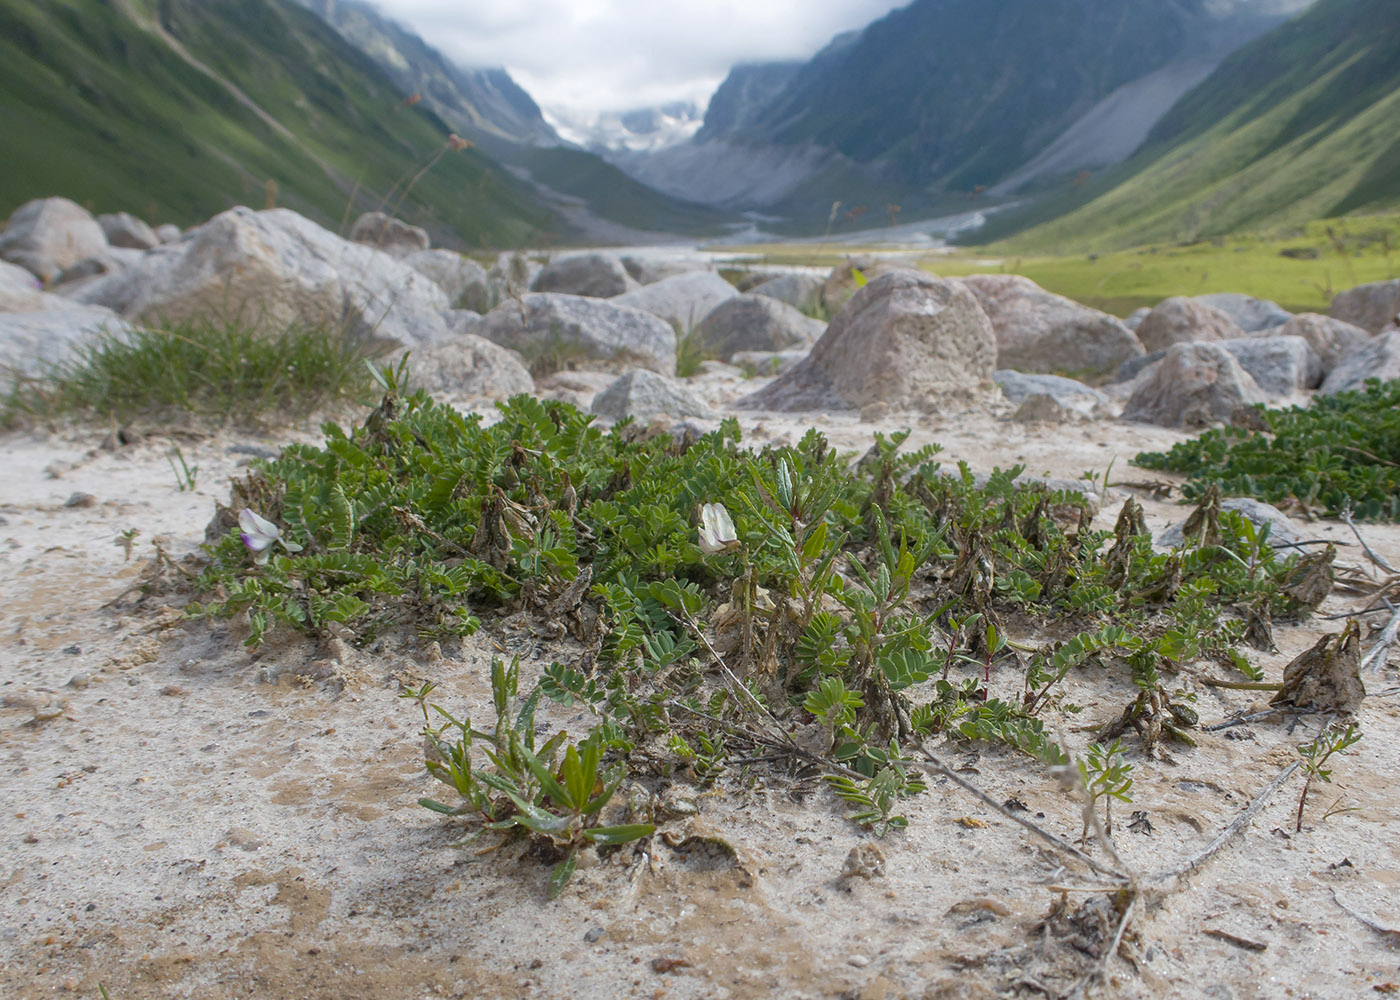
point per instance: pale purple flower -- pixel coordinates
(259, 534)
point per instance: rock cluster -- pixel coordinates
(611, 326)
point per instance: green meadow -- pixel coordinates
(1300, 268)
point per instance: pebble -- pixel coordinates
(859, 961)
(81, 500)
(79, 681)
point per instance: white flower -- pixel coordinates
(259, 533)
(717, 532)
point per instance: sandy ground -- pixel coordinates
(183, 818)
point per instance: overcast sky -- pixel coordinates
(592, 55)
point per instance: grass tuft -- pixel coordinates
(220, 372)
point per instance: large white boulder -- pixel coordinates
(1280, 365)
(683, 300)
(1179, 320)
(469, 366)
(755, 323)
(556, 331)
(1251, 314)
(463, 279)
(645, 396)
(1372, 306)
(596, 275)
(1378, 358)
(272, 269)
(1331, 339)
(1195, 384)
(46, 235)
(906, 339)
(1039, 331)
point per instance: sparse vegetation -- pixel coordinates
(212, 371)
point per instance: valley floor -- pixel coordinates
(185, 819)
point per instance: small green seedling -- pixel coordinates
(1315, 755)
(1105, 776)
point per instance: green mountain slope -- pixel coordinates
(1303, 123)
(178, 109)
(959, 93)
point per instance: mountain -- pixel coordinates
(641, 130)
(178, 109)
(1303, 123)
(943, 97)
(742, 97)
(481, 104)
(598, 201)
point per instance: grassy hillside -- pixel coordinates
(1302, 124)
(178, 109)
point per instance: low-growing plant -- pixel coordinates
(1105, 776)
(1341, 452)
(559, 797)
(720, 597)
(1333, 740)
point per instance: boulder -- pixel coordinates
(391, 235)
(1038, 331)
(1282, 530)
(48, 234)
(645, 396)
(682, 300)
(556, 331)
(1018, 387)
(123, 229)
(20, 291)
(1331, 339)
(469, 366)
(906, 339)
(1179, 320)
(1193, 385)
(1134, 318)
(463, 279)
(1279, 365)
(168, 233)
(595, 275)
(1372, 306)
(1378, 358)
(842, 282)
(1250, 314)
(274, 268)
(649, 269)
(752, 322)
(800, 290)
(31, 342)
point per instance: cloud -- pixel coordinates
(620, 54)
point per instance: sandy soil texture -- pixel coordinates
(180, 817)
